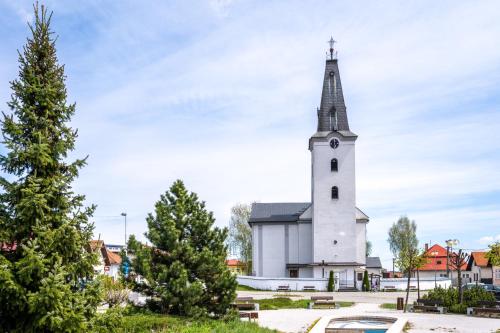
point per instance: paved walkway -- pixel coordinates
(356, 297)
(298, 320)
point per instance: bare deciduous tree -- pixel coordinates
(240, 234)
(456, 263)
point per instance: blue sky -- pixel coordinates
(222, 94)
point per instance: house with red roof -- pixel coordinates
(109, 262)
(481, 268)
(438, 264)
(236, 266)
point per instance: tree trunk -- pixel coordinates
(408, 285)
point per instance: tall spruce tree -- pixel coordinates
(44, 226)
(185, 268)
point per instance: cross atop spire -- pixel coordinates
(333, 53)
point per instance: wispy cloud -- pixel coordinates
(223, 94)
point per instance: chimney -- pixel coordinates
(426, 247)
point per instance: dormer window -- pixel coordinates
(334, 165)
(335, 192)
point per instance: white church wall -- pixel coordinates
(305, 243)
(293, 243)
(334, 219)
(255, 251)
(273, 241)
(361, 243)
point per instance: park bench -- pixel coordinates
(247, 308)
(284, 288)
(389, 288)
(322, 302)
(486, 309)
(429, 305)
(309, 288)
(249, 315)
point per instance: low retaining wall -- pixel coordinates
(298, 284)
(425, 284)
(264, 283)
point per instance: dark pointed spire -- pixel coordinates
(332, 114)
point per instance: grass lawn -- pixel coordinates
(155, 323)
(287, 303)
(246, 288)
(390, 306)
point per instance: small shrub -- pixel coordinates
(458, 308)
(114, 292)
(109, 321)
(450, 298)
(474, 295)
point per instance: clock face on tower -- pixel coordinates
(334, 143)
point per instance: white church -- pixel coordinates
(310, 239)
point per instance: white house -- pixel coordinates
(310, 239)
(480, 267)
(108, 262)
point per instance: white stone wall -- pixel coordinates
(264, 283)
(334, 219)
(425, 284)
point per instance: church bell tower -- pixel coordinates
(334, 231)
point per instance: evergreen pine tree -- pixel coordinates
(331, 282)
(366, 282)
(185, 266)
(44, 227)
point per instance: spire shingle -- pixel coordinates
(332, 114)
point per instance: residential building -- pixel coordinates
(310, 239)
(236, 266)
(108, 262)
(374, 266)
(480, 268)
(438, 264)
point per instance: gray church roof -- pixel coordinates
(277, 212)
(332, 114)
(287, 212)
(373, 262)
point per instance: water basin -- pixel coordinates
(359, 325)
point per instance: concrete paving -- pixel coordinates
(298, 320)
(356, 297)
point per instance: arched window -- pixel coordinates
(335, 192)
(334, 165)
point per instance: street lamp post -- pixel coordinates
(450, 243)
(435, 253)
(125, 216)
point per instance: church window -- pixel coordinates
(335, 192)
(334, 165)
